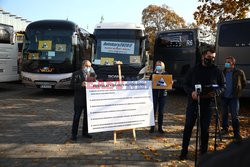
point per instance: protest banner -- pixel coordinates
(119, 105)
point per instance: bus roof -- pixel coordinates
(119, 25)
(234, 21)
(62, 24)
(6, 25)
(178, 30)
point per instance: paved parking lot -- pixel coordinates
(35, 126)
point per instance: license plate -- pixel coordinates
(46, 86)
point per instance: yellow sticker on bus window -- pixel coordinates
(135, 59)
(61, 47)
(33, 56)
(162, 81)
(107, 61)
(45, 45)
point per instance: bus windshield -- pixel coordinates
(176, 40)
(234, 35)
(118, 45)
(111, 50)
(42, 44)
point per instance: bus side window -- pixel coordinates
(4, 36)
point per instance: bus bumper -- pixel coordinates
(46, 81)
(9, 78)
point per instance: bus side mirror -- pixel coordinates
(74, 39)
(87, 44)
(147, 46)
(13, 39)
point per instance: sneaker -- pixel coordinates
(73, 138)
(238, 137)
(224, 131)
(161, 130)
(86, 135)
(152, 129)
(183, 156)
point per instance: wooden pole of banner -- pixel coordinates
(119, 63)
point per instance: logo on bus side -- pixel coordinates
(115, 76)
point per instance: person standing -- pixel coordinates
(159, 98)
(204, 74)
(235, 82)
(78, 82)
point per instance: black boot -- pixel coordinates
(160, 130)
(183, 155)
(152, 129)
(73, 138)
(86, 135)
(237, 137)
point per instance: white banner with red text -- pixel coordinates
(116, 105)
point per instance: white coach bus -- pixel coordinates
(8, 54)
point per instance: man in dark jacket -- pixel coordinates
(78, 82)
(204, 74)
(235, 82)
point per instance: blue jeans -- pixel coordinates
(231, 105)
(205, 119)
(159, 105)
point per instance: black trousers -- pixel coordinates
(159, 106)
(205, 119)
(77, 115)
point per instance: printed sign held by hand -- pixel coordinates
(162, 81)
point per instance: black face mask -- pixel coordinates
(208, 62)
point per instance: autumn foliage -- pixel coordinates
(210, 12)
(160, 18)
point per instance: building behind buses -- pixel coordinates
(52, 51)
(233, 39)
(125, 42)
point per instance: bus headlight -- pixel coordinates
(26, 79)
(66, 79)
(140, 76)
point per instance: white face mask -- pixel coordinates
(86, 69)
(158, 69)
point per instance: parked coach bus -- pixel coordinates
(19, 40)
(179, 50)
(52, 50)
(8, 54)
(125, 42)
(233, 39)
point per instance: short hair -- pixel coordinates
(85, 61)
(232, 59)
(208, 48)
(162, 65)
